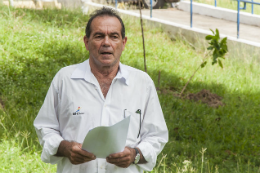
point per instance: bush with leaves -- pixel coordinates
(217, 47)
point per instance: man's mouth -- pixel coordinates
(106, 53)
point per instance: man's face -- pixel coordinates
(105, 43)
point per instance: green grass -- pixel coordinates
(232, 4)
(34, 45)
(15, 158)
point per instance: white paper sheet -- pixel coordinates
(103, 141)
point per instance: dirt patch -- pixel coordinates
(166, 90)
(205, 96)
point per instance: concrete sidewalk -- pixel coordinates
(228, 28)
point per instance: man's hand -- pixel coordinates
(73, 151)
(122, 159)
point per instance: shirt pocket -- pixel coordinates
(134, 128)
(78, 126)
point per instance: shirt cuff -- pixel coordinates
(149, 155)
(50, 148)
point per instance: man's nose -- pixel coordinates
(106, 41)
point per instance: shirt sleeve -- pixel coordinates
(154, 132)
(47, 127)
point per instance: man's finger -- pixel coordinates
(78, 159)
(124, 153)
(77, 149)
(86, 154)
(118, 160)
(82, 158)
(117, 155)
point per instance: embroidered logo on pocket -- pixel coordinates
(78, 112)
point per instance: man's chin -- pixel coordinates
(108, 62)
(104, 61)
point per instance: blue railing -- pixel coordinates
(151, 8)
(252, 7)
(243, 8)
(191, 13)
(238, 11)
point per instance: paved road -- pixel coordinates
(247, 32)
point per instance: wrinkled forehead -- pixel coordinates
(108, 23)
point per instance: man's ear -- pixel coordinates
(85, 39)
(124, 42)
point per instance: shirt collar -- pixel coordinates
(123, 73)
(83, 71)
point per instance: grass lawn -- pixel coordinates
(232, 4)
(34, 45)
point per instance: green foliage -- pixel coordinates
(203, 64)
(219, 47)
(15, 158)
(219, 50)
(35, 44)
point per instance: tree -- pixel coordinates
(217, 47)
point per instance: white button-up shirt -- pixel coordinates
(75, 104)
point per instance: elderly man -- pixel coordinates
(96, 93)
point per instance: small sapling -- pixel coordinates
(217, 47)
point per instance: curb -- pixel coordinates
(220, 13)
(195, 36)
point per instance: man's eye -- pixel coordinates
(98, 36)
